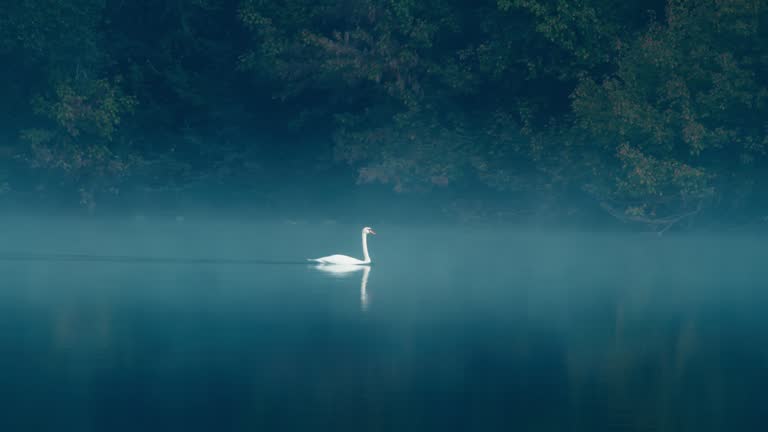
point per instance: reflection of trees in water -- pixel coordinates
(76, 328)
(648, 371)
(83, 336)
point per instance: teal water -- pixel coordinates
(450, 329)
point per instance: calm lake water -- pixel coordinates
(451, 329)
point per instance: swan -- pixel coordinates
(348, 260)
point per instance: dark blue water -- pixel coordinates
(451, 329)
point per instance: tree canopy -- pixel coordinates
(650, 112)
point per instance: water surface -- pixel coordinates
(223, 327)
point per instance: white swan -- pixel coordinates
(348, 260)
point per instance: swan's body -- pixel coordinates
(340, 260)
(348, 260)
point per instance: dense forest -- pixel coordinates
(652, 112)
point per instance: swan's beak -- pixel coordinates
(372, 231)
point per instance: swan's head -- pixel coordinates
(369, 230)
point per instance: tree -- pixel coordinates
(424, 94)
(77, 144)
(682, 118)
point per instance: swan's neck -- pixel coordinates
(366, 257)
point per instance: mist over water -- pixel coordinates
(220, 324)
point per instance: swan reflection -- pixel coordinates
(347, 270)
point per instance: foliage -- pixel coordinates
(685, 110)
(412, 69)
(653, 110)
(84, 116)
(60, 35)
(92, 106)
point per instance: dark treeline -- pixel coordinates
(650, 112)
